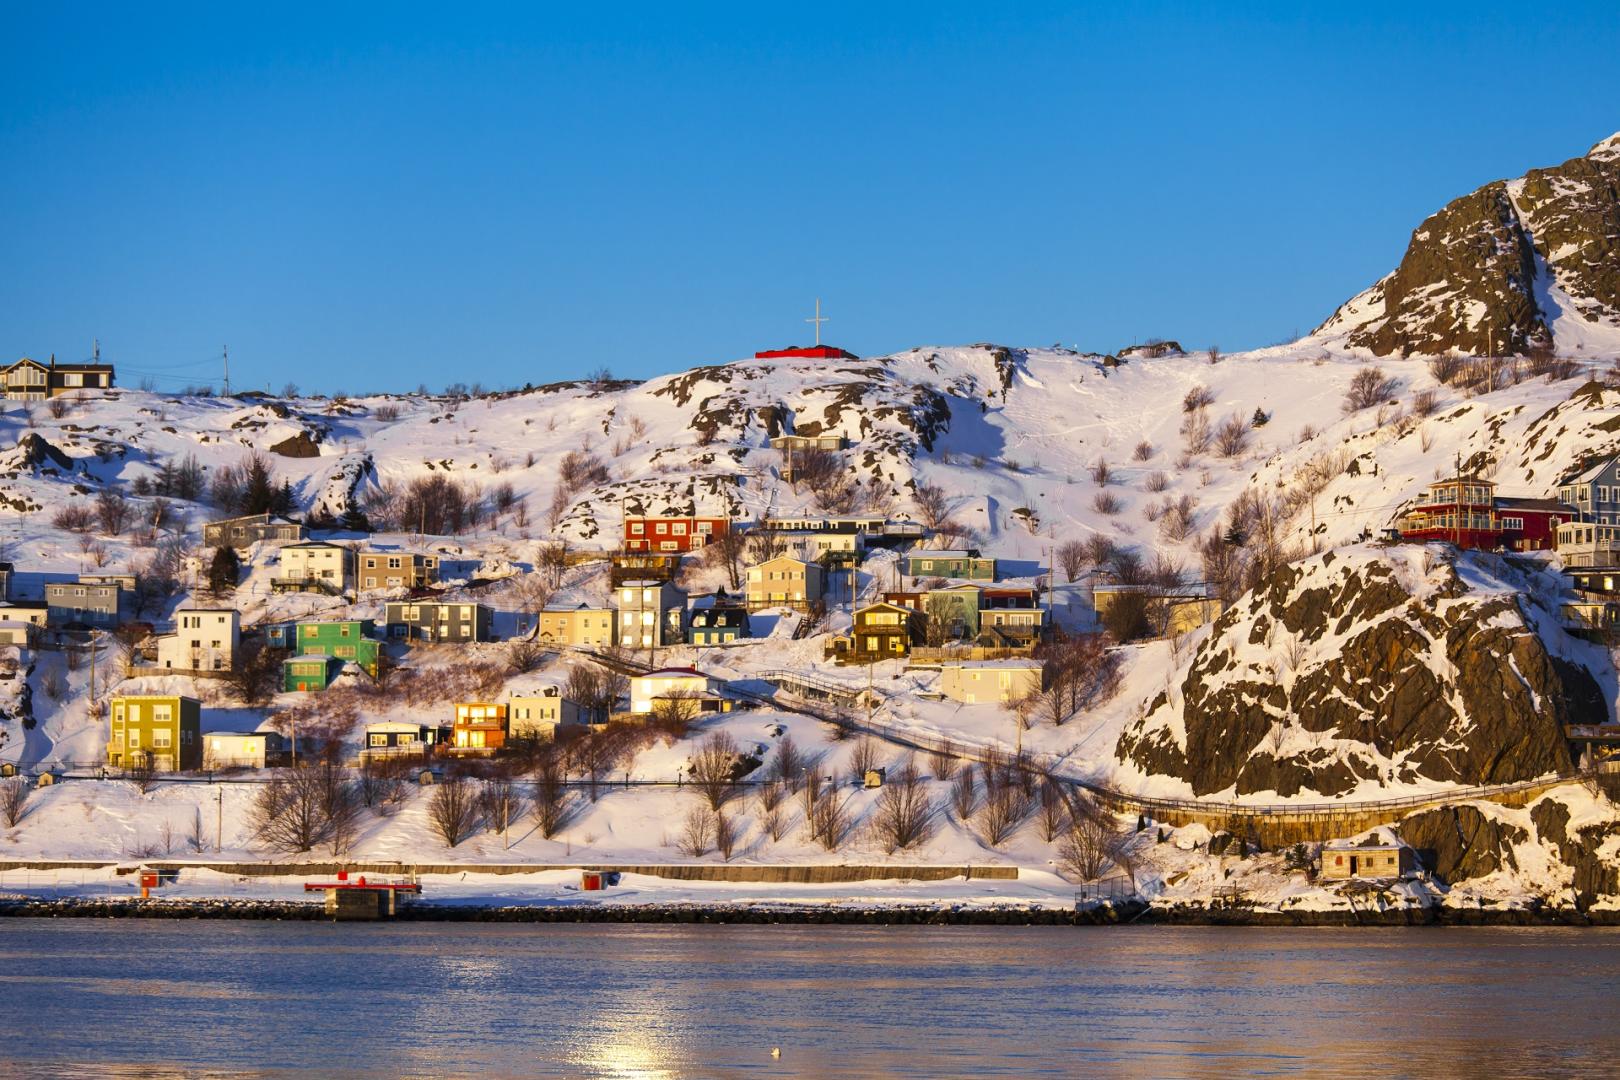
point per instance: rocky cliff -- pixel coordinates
(1368, 669)
(1492, 271)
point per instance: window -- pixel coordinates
(162, 738)
(661, 528)
(637, 529)
(134, 738)
(162, 714)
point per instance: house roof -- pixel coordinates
(315, 544)
(1591, 473)
(670, 672)
(1515, 502)
(891, 605)
(944, 553)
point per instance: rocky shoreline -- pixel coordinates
(1104, 914)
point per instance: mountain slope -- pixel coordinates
(1512, 267)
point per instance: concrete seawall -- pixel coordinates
(802, 874)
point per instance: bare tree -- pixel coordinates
(789, 764)
(381, 782)
(675, 711)
(727, 550)
(1083, 849)
(829, 820)
(1071, 557)
(301, 808)
(453, 810)
(1007, 803)
(550, 796)
(1053, 812)
(1232, 437)
(725, 835)
(863, 757)
(770, 796)
(713, 769)
(552, 561)
(932, 506)
(13, 800)
(499, 803)
(905, 812)
(141, 770)
(943, 760)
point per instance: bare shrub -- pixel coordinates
(387, 412)
(1106, 502)
(1157, 481)
(1195, 433)
(195, 839)
(943, 760)
(1232, 436)
(141, 770)
(1424, 402)
(1445, 369)
(453, 810)
(1143, 451)
(1101, 473)
(697, 832)
(523, 656)
(74, 516)
(964, 795)
(580, 469)
(1197, 398)
(1369, 387)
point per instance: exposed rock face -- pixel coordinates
(1471, 280)
(1588, 850)
(1366, 667)
(35, 453)
(1457, 843)
(301, 445)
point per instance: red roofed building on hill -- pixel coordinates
(818, 351)
(1469, 514)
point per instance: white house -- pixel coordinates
(316, 566)
(204, 639)
(646, 689)
(17, 632)
(989, 682)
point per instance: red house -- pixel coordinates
(1469, 514)
(810, 352)
(672, 533)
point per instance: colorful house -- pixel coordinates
(1468, 513)
(307, 674)
(538, 715)
(672, 533)
(989, 682)
(652, 614)
(784, 582)
(400, 738)
(965, 563)
(480, 727)
(348, 640)
(881, 631)
(582, 625)
(30, 380)
(717, 624)
(164, 730)
(397, 570)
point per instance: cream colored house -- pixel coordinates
(651, 614)
(783, 582)
(204, 639)
(242, 750)
(540, 714)
(315, 566)
(645, 690)
(815, 546)
(588, 626)
(17, 632)
(989, 682)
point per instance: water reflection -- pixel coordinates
(132, 998)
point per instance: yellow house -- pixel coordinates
(578, 626)
(164, 730)
(989, 682)
(539, 715)
(783, 582)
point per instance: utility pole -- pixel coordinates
(219, 816)
(225, 355)
(90, 701)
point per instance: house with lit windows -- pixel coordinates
(652, 614)
(1467, 513)
(479, 728)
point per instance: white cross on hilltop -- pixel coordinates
(818, 320)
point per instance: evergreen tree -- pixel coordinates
(224, 570)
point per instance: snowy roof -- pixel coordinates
(673, 671)
(1591, 473)
(944, 553)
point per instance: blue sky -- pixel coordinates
(372, 199)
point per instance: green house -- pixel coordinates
(301, 674)
(348, 640)
(965, 564)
